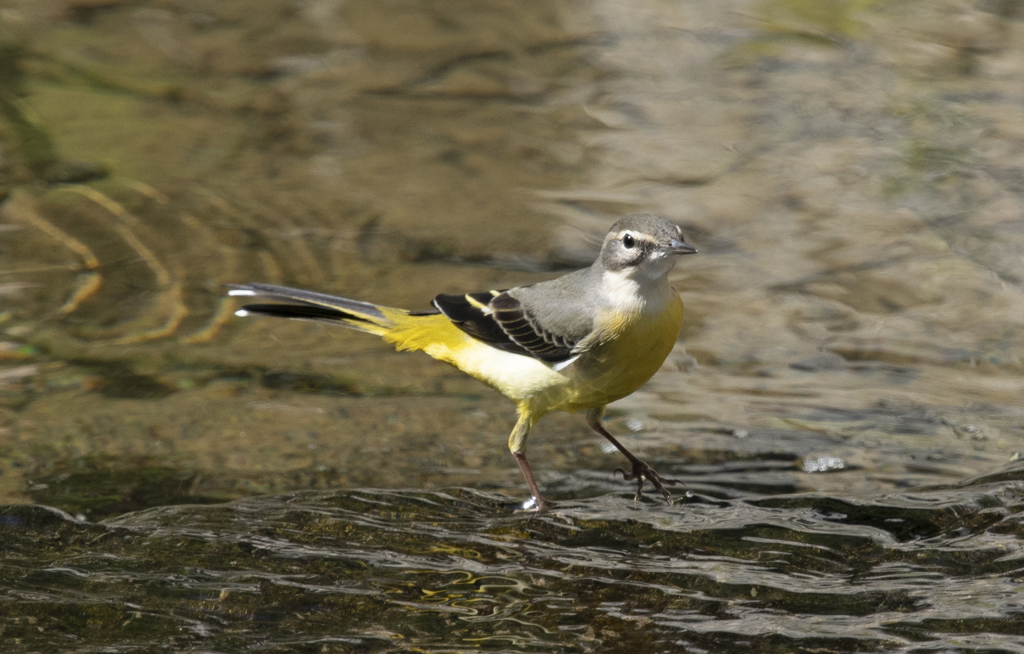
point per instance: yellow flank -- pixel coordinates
(515, 376)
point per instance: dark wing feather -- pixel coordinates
(504, 324)
(473, 320)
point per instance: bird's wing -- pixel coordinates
(502, 321)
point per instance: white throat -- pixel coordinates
(631, 291)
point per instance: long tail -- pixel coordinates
(306, 305)
(430, 331)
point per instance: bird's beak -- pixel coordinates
(680, 247)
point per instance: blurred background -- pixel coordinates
(852, 172)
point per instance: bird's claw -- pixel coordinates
(643, 472)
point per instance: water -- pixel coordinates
(374, 570)
(844, 402)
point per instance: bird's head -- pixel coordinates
(642, 245)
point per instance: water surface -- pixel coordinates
(375, 570)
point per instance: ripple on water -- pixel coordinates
(455, 570)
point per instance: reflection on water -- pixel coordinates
(849, 170)
(453, 571)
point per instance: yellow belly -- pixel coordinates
(607, 372)
(615, 369)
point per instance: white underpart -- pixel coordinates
(621, 290)
(516, 376)
(241, 291)
(639, 289)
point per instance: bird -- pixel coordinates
(574, 343)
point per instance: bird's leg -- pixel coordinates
(641, 471)
(517, 443)
(524, 465)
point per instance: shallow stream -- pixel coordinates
(844, 403)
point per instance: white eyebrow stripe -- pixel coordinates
(646, 238)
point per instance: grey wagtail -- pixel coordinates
(574, 343)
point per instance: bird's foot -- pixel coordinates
(535, 504)
(643, 472)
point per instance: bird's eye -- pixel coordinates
(627, 241)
